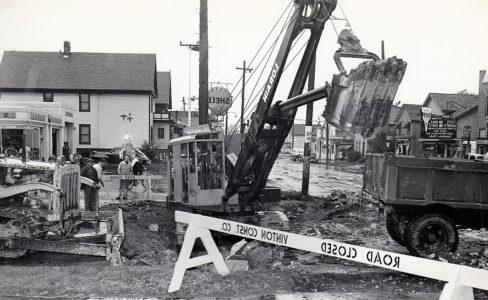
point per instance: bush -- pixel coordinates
(353, 156)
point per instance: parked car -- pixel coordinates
(113, 156)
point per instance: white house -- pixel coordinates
(100, 97)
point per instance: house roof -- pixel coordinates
(451, 101)
(29, 70)
(394, 110)
(413, 111)
(462, 112)
(164, 88)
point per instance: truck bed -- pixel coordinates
(404, 180)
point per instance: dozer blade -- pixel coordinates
(361, 100)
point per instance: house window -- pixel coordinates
(486, 110)
(48, 97)
(84, 102)
(483, 133)
(85, 134)
(160, 133)
(159, 108)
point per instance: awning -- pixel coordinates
(343, 147)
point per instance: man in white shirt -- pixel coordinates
(102, 163)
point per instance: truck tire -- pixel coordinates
(395, 225)
(431, 233)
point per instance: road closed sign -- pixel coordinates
(219, 100)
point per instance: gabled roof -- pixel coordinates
(110, 72)
(164, 88)
(451, 101)
(462, 112)
(394, 110)
(413, 111)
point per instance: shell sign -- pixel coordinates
(219, 100)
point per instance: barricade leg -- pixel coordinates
(453, 290)
(185, 262)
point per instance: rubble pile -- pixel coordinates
(149, 232)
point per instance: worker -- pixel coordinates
(100, 166)
(125, 168)
(91, 192)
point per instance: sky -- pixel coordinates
(443, 41)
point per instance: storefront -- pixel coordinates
(39, 129)
(439, 148)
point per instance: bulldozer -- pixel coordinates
(40, 210)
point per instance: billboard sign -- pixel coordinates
(439, 127)
(219, 100)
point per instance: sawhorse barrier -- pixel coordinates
(147, 177)
(460, 279)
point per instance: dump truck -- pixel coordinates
(427, 200)
(40, 210)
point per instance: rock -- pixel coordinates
(442, 259)
(336, 229)
(237, 249)
(237, 265)
(484, 252)
(153, 227)
(260, 257)
(308, 259)
(250, 246)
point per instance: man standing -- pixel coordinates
(125, 168)
(99, 167)
(91, 192)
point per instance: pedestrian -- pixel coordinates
(125, 168)
(91, 192)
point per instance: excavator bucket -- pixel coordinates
(361, 100)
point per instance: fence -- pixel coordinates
(141, 185)
(460, 279)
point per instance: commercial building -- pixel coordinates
(97, 97)
(408, 127)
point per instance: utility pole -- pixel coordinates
(382, 50)
(191, 47)
(203, 65)
(308, 132)
(327, 150)
(184, 104)
(244, 70)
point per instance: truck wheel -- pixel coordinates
(395, 225)
(431, 233)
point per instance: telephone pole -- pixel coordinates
(244, 70)
(203, 65)
(308, 133)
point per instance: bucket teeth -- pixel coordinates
(361, 100)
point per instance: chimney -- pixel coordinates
(67, 49)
